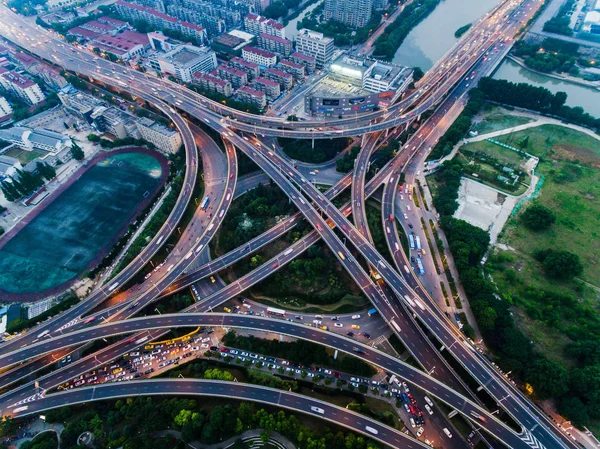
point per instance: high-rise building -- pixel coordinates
(257, 25)
(315, 44)
(163, 137)
(354, 13)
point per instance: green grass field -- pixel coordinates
(61, 241)
(23, 156)
(493, 118)
(570, 170)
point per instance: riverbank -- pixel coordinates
(561, 77)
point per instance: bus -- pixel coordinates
(89, 320)
(411, 240)
(420, 265)
(205, 202)
(418, 242)
(372, 312)
(112, 287)
(276, 312)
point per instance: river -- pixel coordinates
(577, 95)
(290, 28)
(434, 36)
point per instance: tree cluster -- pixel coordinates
(346, 162)
(459, 128)
(445, 199)
(280, 8)
(323, 151)
(143, 416)
(77, 152)
(559, 264)
(538, 217)
(538, 99)
(25, 183)
(249, 214)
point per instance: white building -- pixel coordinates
(36, 139)
(163, 137)
(591, 24)
(8, 166)
(257, 25)
(184, 61)
(258, 56)
(23, 87)
(5, 108)
(315, 44)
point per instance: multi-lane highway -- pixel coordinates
(503, 22)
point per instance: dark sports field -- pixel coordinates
(70, 232)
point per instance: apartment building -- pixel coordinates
(269, 87)
(237, 77)
(314, 44)
(258, 25)
(5, 109)
(258, 56)
(21, 86)
(289, 66)
(275, 44)
(252, 69)
(354, 13)
(285, 80)
(308, 62)
(212, 83)
(253, 96)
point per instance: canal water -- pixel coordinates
(434, 36)
(586, 97)
(290, 29)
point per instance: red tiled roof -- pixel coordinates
(125, 40)
(243, 62)
(303, 56)
(292, 64)
(210, 77)
(17, 79)
(88, 34)
(258, 51)
(278, 72)
(266, 82)
(281, 40)
(252, 92)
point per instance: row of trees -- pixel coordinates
(552, 59)
(301, 351)
(130, 423)
(25, 183)
(459, 127)
(538, 99)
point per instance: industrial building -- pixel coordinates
(183, 61)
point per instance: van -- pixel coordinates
(447, 432)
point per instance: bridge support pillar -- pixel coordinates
(313, 144)
(335, 355)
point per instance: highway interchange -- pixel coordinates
(399, 296)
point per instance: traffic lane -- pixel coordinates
(378, 358)
(74, 313)
(397, 284)
(233, 390)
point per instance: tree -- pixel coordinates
(47, 171)
(538, 217)
(77, 152)
(548, 379)
(560, 264)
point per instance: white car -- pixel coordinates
(429, 409)
(355, 317)
(447, 432)
(420, 431)
(412, 422)
(338, 325)
(204, 345)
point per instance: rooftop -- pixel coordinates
(210, 77)
(280, 73)
(229, 40)
(231, 70)
(266, 81)
(112, 21)
(17, 79)
(260, 52)
(270, 37)
(25, 58)
(125, 40)
(303, 57)
(314, 35)
(88, 34)
(252, 92)
(98, 25)
(245, 63)
(289, 63)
